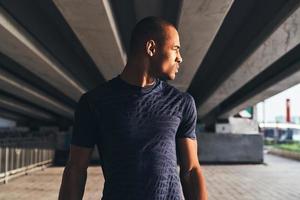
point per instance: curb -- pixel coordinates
(285, 153)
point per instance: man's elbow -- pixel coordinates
(185, 174)
(193, 183)
(75, 167)
(73, 175)
(73, 179)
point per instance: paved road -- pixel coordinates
(278, 178)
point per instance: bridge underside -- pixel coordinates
(236, 53)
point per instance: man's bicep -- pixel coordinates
(79, 157)
(84, 127)
(187, 126)
(187, 153)
(83, 137)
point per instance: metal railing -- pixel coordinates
(21, 155)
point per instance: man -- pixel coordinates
(143, 127)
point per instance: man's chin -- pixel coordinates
(168, 77)
(171, 76)
(174, 76)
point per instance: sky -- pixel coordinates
(276, 105)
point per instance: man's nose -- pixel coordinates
(179, 59)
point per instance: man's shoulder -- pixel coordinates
(185, 97)
(173, 89)
(100, 90)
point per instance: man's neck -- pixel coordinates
(137, 75)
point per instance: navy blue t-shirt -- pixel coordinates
(135, 129)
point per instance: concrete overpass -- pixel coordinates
(236, 53)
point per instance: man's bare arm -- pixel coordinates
(191, 175)
(75, 173)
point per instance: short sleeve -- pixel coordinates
(187, 126)
(84, 127)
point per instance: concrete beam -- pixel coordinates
(198, 24)
(144, 8)
(21, 89)
(94, 25)
(12, 116)
(19, 45)
(291, 78)
(19, 107)
(282, 40)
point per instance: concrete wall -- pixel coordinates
(223, 148)
(230, 148)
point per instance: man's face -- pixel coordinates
(166, 60)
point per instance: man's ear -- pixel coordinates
(150, 47)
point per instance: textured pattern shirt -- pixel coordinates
(135, 130)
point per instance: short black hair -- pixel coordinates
(148, 28)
